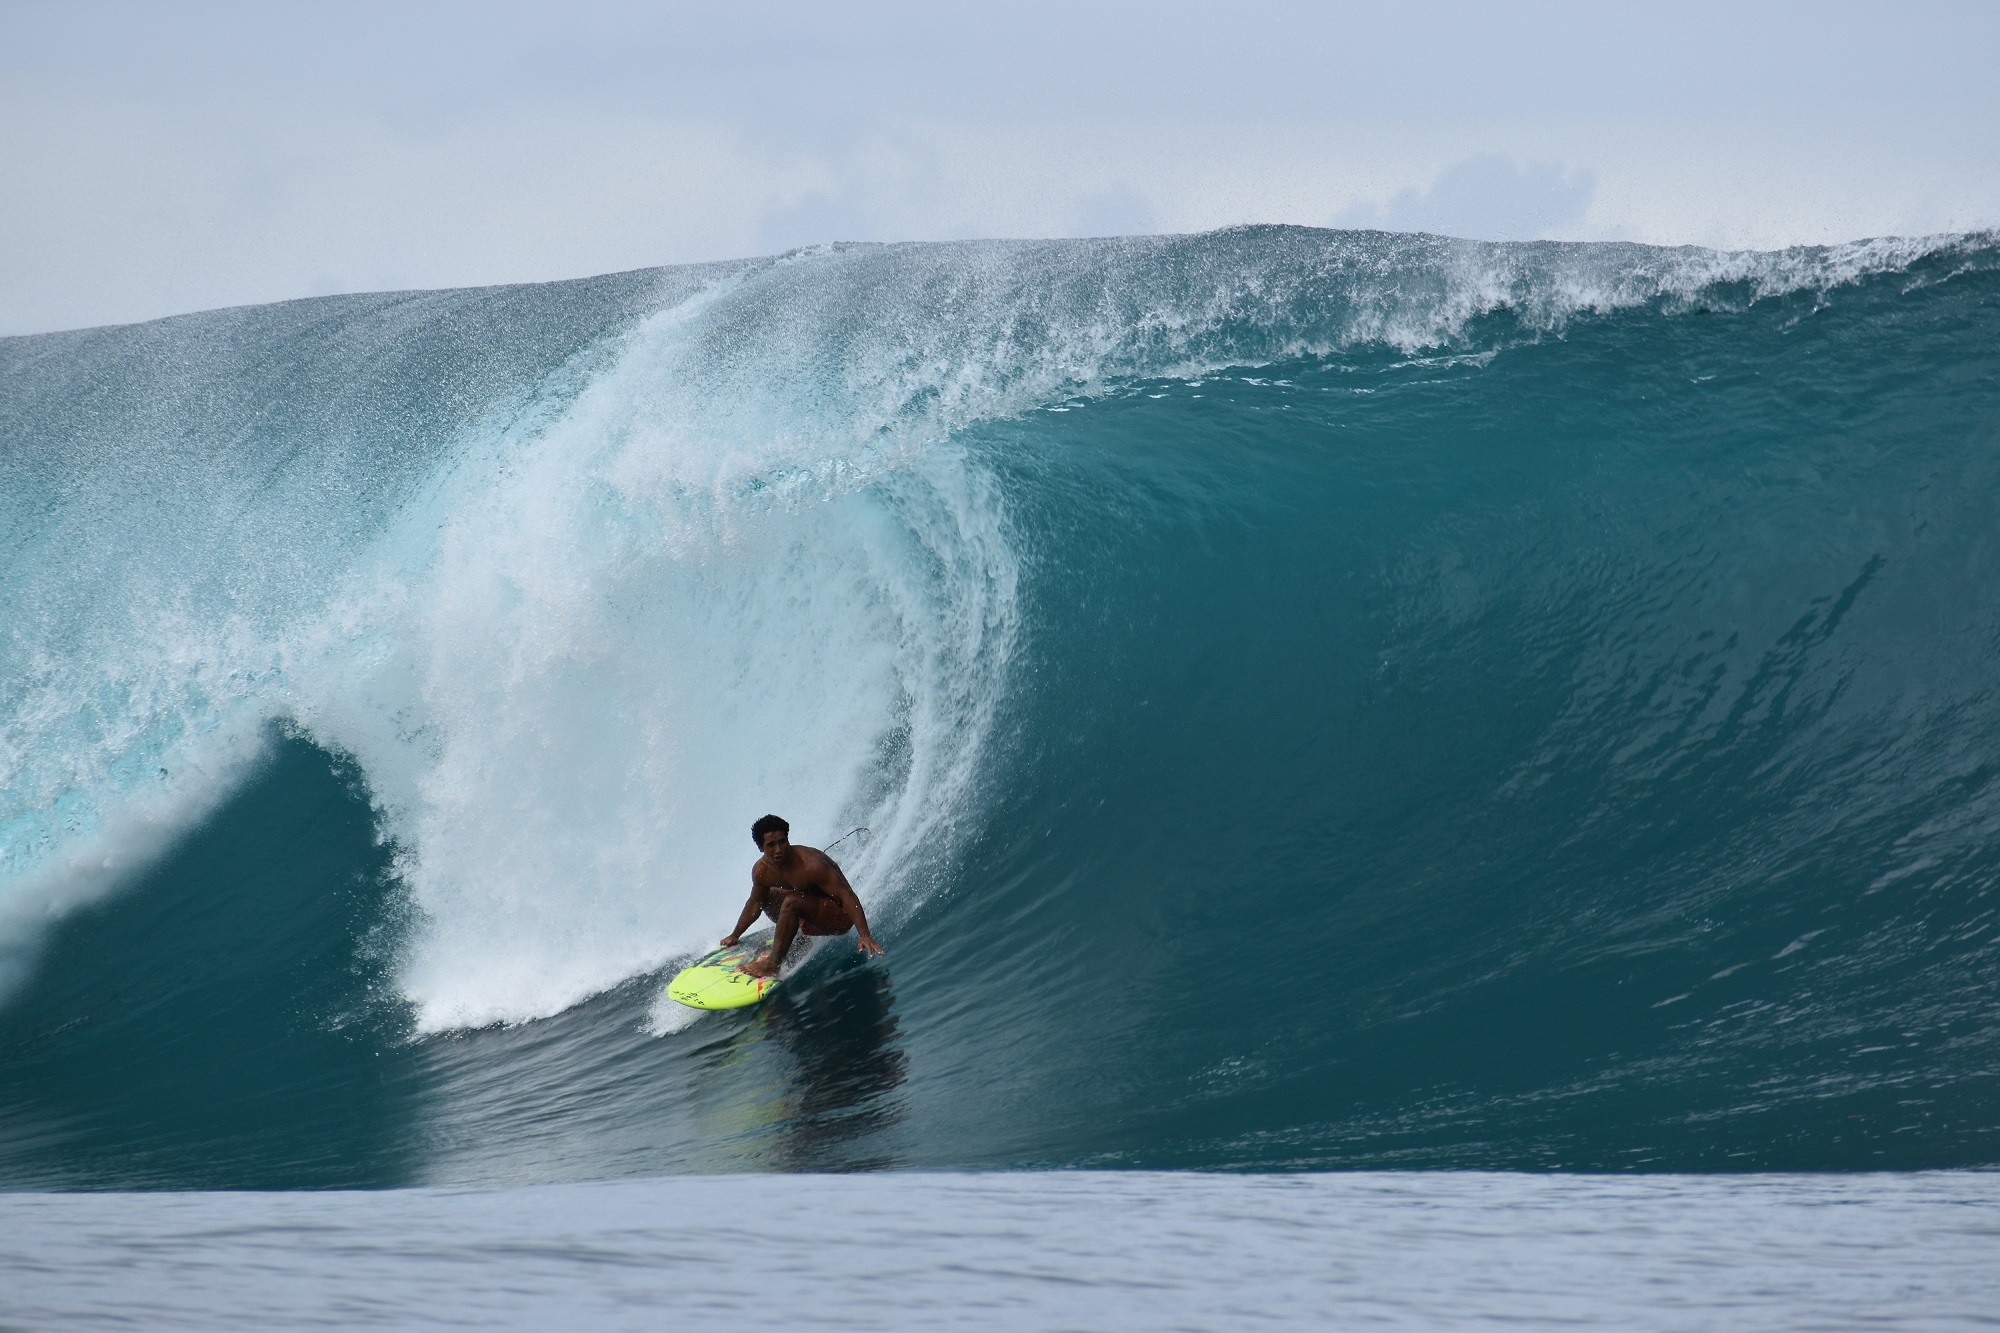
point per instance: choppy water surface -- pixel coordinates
(1419, 1250)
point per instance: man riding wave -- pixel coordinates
(799, 888)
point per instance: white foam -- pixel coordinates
(668, 1016)
(631, 636)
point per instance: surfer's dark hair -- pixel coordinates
(768, 824)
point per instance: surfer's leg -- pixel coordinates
(815, 914)
(782, 908)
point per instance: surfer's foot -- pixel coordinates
(763, 965)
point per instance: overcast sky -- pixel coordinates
(164, 157)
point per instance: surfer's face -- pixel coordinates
(777, 847)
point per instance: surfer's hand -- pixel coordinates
(729, 940)
(868, 945)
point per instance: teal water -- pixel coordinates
(1562, 674)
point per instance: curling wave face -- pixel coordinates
(1319, 698)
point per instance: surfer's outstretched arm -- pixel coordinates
(843, 893)
(751, 911)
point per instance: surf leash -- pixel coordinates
(843, 838)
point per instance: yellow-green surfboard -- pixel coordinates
(714, 983)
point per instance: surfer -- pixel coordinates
(800, 888)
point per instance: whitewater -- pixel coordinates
(1565, 669)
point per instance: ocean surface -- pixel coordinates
(1026, 1250)
(1318, 702)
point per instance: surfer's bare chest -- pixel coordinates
(799, 876)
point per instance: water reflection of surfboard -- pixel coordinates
(714, 981)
